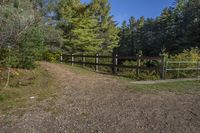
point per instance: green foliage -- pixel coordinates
(53, 37)
(82, 29)
(16, 3)
(51, 56)
(107, 28)
(84, 35)
(143, 74)
(22, 35)
(130, 63)
(192, 54)
(176, 29)
(31, 43)
(87, 28)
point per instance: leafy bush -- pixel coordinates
(192, 54)
(21, 36)
(51, 56)
(144, 74)
(31, 47)
(130, 63)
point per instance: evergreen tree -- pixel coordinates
(84, 35)
(176, 29)
(107, 28)
(81, 28)
(123, 34)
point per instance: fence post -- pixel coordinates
(162, 69)
(72, 59)
(138, 64)
(96, 63)
(115, 63)
(83, 60)
(61, 58)
(198, 67)
(179, 66)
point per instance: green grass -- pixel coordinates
(180, 86)
(28, 83)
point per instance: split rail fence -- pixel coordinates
(114, 64)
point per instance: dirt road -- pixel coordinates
(101, 104)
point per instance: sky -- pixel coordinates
(124, 9)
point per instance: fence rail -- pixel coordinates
(192, 66)
(114, 63)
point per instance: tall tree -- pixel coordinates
(81, 28)
(176, 29)
(108, 30)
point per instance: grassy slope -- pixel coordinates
(25, 84)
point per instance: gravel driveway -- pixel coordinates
(102, 104)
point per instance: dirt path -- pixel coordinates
(101, 104)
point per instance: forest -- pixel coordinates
(33, 30)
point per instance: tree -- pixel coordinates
(18, 21)
(107, 28)
(84, 35)
(80, 27)
(176, 29)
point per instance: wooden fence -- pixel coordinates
(180, 66)
(114, 64)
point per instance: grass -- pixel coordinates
(179, 86)
(25, 84)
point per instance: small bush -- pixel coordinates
(52, 56)
(192, 54)
(144, 74)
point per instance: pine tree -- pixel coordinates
(108, 31)
(133, 29)
(84, 35)
(81, 28)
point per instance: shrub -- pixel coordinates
(192, 54)
(144, 74)
(51, 56)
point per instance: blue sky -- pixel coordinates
(123, 9)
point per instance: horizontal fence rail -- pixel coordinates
(179, 66)
(179, 63)
(114, 62)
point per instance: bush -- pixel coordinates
(27, 50)
(51, 56)
(144, 74)
(192, 54)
